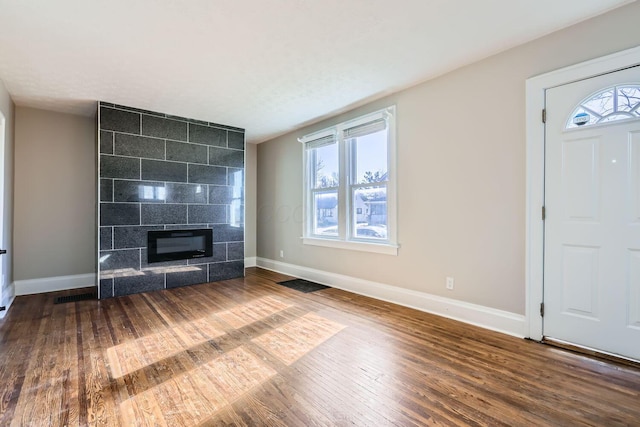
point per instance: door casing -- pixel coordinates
(535, 104)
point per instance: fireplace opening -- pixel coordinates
(171, 245)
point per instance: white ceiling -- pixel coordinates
(269, 66)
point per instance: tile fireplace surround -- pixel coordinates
(160, 172)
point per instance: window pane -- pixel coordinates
(325, 206)
(371, 157)
(628, 97)
(325, 163)
(602, 103)
(370, 212)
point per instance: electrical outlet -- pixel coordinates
(281, 253)
(450, 283)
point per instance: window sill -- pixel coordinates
(379, 248)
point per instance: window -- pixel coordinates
(608, 105)
(349, 185)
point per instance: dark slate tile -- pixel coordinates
(119, 167)
(179, 118)
(131, 237)
(207, 135)
(236, 215)
(106, 142)
(226, 157)
(106, 190)
(164, 128)
(235, 140)
(106, 288)
(158, 266)
(185, 152)
(236, 177)
(164, 214)
(221, 212)
(220, 194)
(235, 251)
(218, 125)
(210, 214)
(138, 110)
(119, 260)
(106, 238)
(139, 146)
(136, 284)
(227, 233)
(202, 174)
(119, 214)
(219, 254)
(185, 226)
(198, 122)
(226, 270)
(120, 121)
(191, 275)
(138, 191)
(156, 170)
(186, 193)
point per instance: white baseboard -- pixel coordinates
(250, 261)
(51, 284)
(478, 315)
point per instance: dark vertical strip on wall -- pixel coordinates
(157, 172)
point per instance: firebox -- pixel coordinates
(170, 245)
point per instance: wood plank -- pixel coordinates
(247, 352)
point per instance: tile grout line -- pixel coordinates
(173, 161)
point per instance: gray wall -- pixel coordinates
(461, 174)
(55, 198)
(6, 282)
(160, 172)
(250, 200)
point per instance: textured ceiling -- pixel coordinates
(269, 66)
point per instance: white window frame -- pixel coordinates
(344, 240)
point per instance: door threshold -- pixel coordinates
(610, 357)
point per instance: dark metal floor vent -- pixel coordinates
(74, 298)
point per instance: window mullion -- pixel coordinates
(311, 176)
(353, 179)
(368, 184)
(343, 188)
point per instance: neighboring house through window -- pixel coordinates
(350, 184)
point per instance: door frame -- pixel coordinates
(535, 135)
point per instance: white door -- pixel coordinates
(592, 226)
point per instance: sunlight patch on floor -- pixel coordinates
(295, 339)
(193, 397)
(253, 311)
(134, 355)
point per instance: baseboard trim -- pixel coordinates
(52, 284)
(474, 314)
(250, 261)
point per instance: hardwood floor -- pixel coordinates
(250, 352)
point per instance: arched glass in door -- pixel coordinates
(611, 104)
